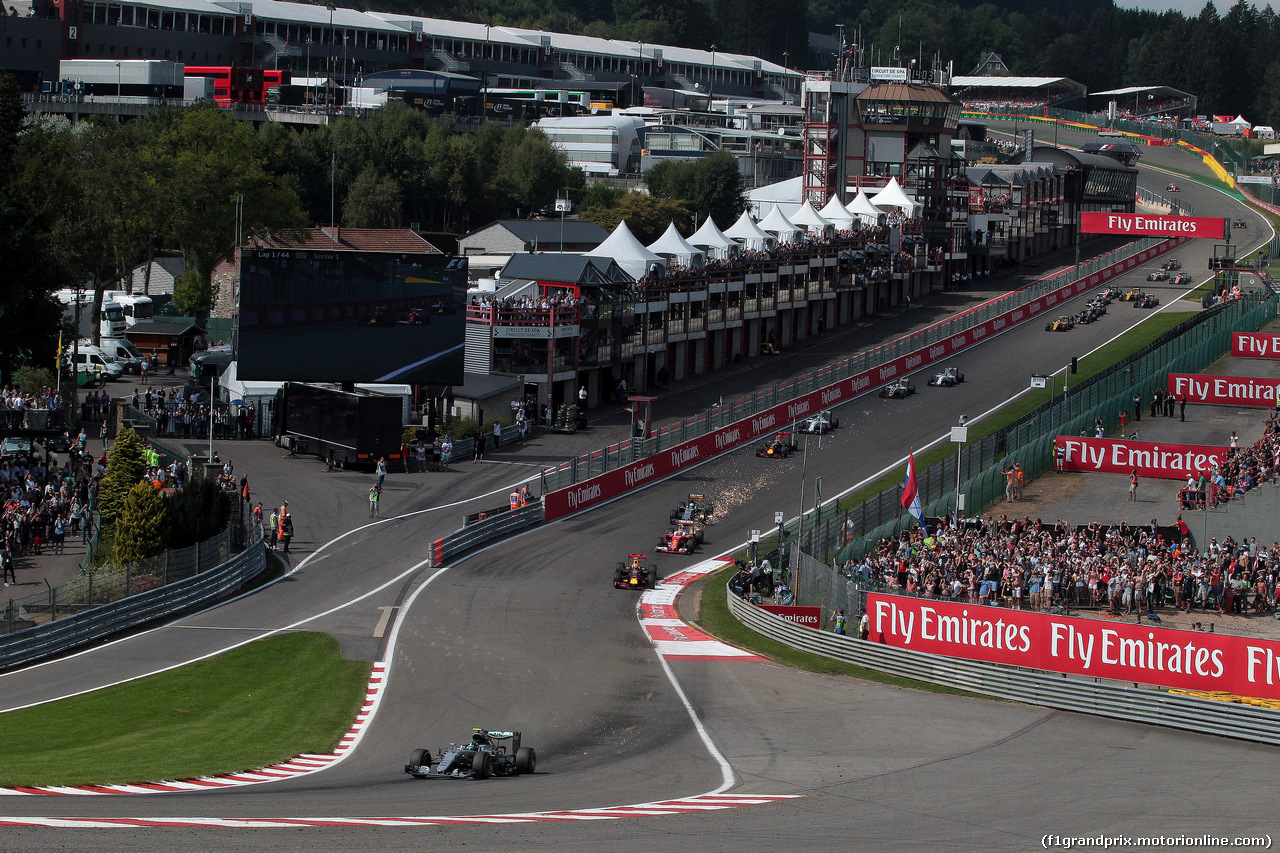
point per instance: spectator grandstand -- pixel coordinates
(993, 94)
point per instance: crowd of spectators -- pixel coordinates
(991, 102)
(15, 404)
(1126, 570)
(1243, 469)
(1028, 565)
(46, 503)
(176, 416)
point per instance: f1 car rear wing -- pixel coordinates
(514, 737)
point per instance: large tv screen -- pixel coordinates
(326, 316)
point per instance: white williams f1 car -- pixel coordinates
(820, 424)
(947, 377)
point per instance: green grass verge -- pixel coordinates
(714, 617)
(256, 705)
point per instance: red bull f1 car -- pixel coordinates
(634, 574)
(780, 447)
(487, 754)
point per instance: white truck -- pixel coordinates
(111, 325)
(136, 307)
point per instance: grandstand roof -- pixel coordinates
(1164, 91)
(1016, 83)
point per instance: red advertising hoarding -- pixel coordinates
(1148, 225)
(1089, 647)
(809, 617)
(1255, 345)
(1224, 390)
(1151, 459)
(651, 469)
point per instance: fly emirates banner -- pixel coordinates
(1255, 345)
(1125, 652)
(1224, 390)
(1150, 458)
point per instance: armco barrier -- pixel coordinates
(98, 623)
(651, 469)
(482, 531)
(1101, 698)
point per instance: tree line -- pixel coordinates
(1230, 61)
(85, 204)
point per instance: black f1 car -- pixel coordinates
(1173, 265)
(1239, 223)
(635, 574)
(683, 539)
(897, 389)
(486, 755)
(781, 447)
(696, 508)
(1146, 300)
(820, 424)
(947, 377)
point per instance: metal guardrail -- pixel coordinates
(1185, 208)
(1115, 700)
(483, 531)
(53, 638)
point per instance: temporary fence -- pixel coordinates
(106, 584)
(625, 452)
(96, 623)
(1188, 348)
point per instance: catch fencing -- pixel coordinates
(1111, 699)
(1188, 348)
(105, 584)
(92, 624)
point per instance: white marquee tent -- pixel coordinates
(675, 249)
(746, 233)
(893, 196)
(837, 214)
(862, 208)
(780, 227)
(629, 253)
(711, 238)
(812, 221)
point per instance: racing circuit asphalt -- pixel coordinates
(529, 634)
